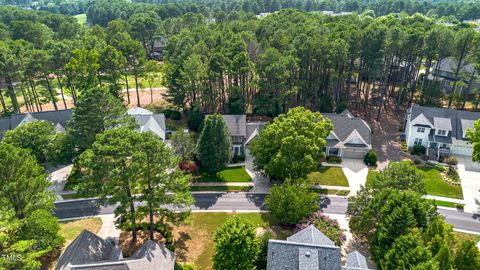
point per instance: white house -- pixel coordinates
(441, 131)
(149, 121)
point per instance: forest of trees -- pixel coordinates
(237, 62)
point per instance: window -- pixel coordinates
(418, 141)
(441, 132)
(420, 129)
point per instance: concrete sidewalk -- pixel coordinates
(108, 231)
(221, 184)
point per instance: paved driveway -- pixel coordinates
(470, 176)
(356, 172)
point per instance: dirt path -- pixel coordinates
(144, 94)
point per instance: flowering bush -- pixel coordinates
(326, 225)
(188, 167)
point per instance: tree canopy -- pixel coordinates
(292, 145)
(214, 146)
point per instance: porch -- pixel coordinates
(436, 150)
(333, 151)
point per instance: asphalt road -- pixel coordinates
(250, 202)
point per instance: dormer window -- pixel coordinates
(420, 129)
(355, 140)
(441, 132)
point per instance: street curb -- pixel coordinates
(466, 231)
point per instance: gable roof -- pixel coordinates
(355, 260)
(311, 235)
(308, 249)
(345, 126)
(449, 65)
(89, 251)
(55, 117)
(459, 120)
(148, 121)
(236, 124)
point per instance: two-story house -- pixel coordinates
(444, 72)
(351, 136)
(441, 131)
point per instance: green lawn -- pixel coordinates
(437, 187)
(328, 176)
(81, 18)
(71, 229)
(220, 188)
(194, 241)
(230, 174)
(462, 237)
(445, 204)
(370, 176)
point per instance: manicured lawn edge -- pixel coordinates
(328, 176)
(447, 204)
(221, 188)
(230, 174)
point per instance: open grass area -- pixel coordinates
(194, 241)
(446, 204)
(71, 229)
(221, 188)
(436, 186)
(331, 191)
(328, 176)
(81, 18)
(230, 174)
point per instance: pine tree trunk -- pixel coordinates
(2, 101)
(128, 88)
(61, 91)
(52, 96)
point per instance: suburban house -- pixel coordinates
(89, 251)
(158, 46)
(58, 118)
(441, 131)
(444, 72)
(310, 249)
(241, 132)
(351, 136)
(149, 121)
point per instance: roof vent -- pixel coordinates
(307, 253)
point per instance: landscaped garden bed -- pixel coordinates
(435, 185)
(230, 174)
(328, 176)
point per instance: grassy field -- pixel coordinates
(231, 174)
(194, 241)
(71, 229)
(328, 176)
(437, 187)
(81, 18)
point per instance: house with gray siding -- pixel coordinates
(351, 136)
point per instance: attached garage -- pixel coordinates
(463, 150)
(354, 153)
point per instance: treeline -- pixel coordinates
(294, 58)
(49, 57)
(67, 7)
(460, 9)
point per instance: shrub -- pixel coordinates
(334, 159)
(238, 158)
(418, 149)
(175, 115)
(326, 225)
(404, 146)
(417, 162)
(184, 266)
(195, 119)
(452, 175)
(341, 106)
(370, 158)
(452, 161)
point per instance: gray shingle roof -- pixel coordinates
(356, 260)
(90, 252)
(236, 124)
(455, 117)
(344, 124)
(148, 121)
(308, 249)
(311, 235)
(449, 65)
(55, 117)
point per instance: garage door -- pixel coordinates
(353, 153)
(462, 150)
